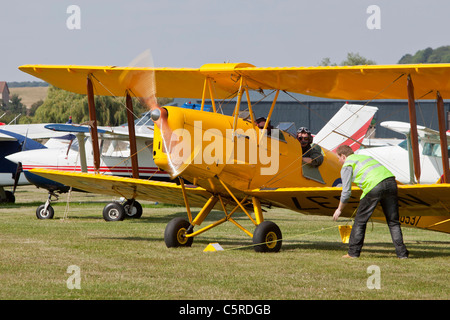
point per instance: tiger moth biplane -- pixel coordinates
(232, 164)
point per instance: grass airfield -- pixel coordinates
(129, 260)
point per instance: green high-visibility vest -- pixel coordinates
(367, 172)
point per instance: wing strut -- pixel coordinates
(443, 137)
(132, 137)
(93, 127)
(271, 110)
(413, 131)
(82, 151)
(186, 200)
(208, 84)
(238, 105)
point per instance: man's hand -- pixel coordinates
(337, 214)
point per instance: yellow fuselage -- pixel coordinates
(203, 146)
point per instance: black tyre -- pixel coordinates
(113, 211)
(41, 213)
(174, 233)
(133, 209)
(10, 198)
(267, 237)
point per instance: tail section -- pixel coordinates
(348, 126)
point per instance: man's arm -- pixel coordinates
(316, 156)
(346, 177)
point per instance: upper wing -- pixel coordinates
(115, 81)
(414, 200)
(32, 131)
(355, 82)
(105, 132)
(342, 82)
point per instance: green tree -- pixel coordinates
(325, 62)
(353, 59)
(34, 107)
(60, 105)
(13, 109)
(428, 55)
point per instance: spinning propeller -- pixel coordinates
(142, 84)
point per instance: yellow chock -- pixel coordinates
(212, 247)
(345, 231)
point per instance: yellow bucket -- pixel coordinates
(345, 231)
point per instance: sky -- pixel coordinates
(190, 33)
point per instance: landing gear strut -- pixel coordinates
(267, 236)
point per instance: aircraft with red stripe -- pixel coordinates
(74, 153)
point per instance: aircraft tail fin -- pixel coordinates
(348, 126)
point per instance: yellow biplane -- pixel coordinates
(232, 164)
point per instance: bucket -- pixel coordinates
(345, 231)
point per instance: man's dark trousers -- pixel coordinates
(386, 194)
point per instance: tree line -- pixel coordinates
(428, 55)
(60, 104)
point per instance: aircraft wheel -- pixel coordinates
(268, 237)
(10, 198)
(174, 233)
(113, 211)
(136, 209)
(45, 214)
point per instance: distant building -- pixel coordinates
(314, 112)
(4, 93)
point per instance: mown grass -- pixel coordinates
(129, 260)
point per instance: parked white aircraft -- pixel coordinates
(13, 139)
(398, 158)
(72, 154)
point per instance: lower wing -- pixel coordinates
(421, 206)
(128, 188)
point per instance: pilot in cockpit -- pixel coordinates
(260, 123)
(311, 153)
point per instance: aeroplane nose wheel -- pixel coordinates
(133, 209)
(41, 213)
(174, 233)
(267, 237)
(113, 212)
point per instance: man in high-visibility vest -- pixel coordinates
(378, 186)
